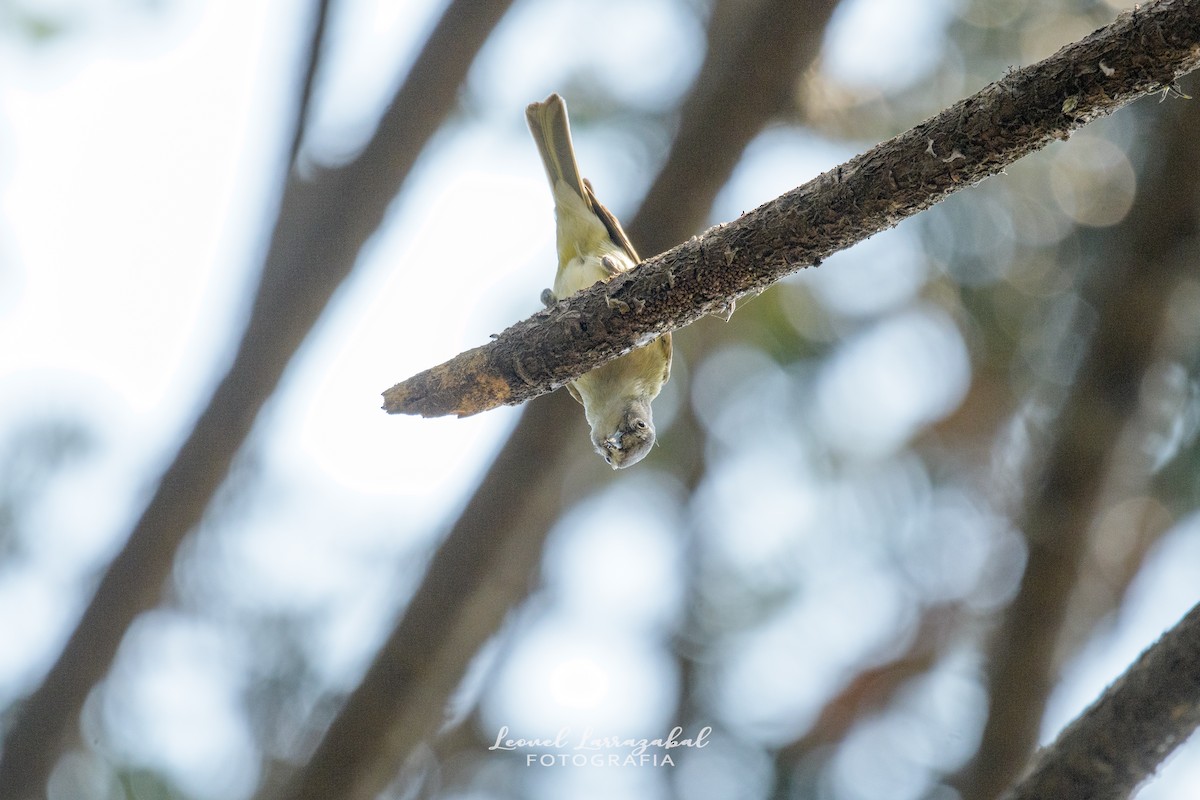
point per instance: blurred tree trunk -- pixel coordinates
(1135, 268)
(321, 226)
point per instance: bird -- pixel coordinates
(592, 247)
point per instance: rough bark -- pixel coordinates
(1141, 52)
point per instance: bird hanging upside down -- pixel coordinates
(592, 248)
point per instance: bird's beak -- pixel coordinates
(613, 445)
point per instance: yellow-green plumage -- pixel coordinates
(592, 247)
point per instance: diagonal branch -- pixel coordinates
(1123, 737)
(1141, 52)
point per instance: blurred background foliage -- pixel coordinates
(865, 475)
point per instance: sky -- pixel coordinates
(139, 155)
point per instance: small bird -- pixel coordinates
(593, 248)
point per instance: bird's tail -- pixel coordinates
(552, 131)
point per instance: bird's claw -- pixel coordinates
(620, 305)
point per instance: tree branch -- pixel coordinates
(1120, 741)
(316, 40)
(1141, 52)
